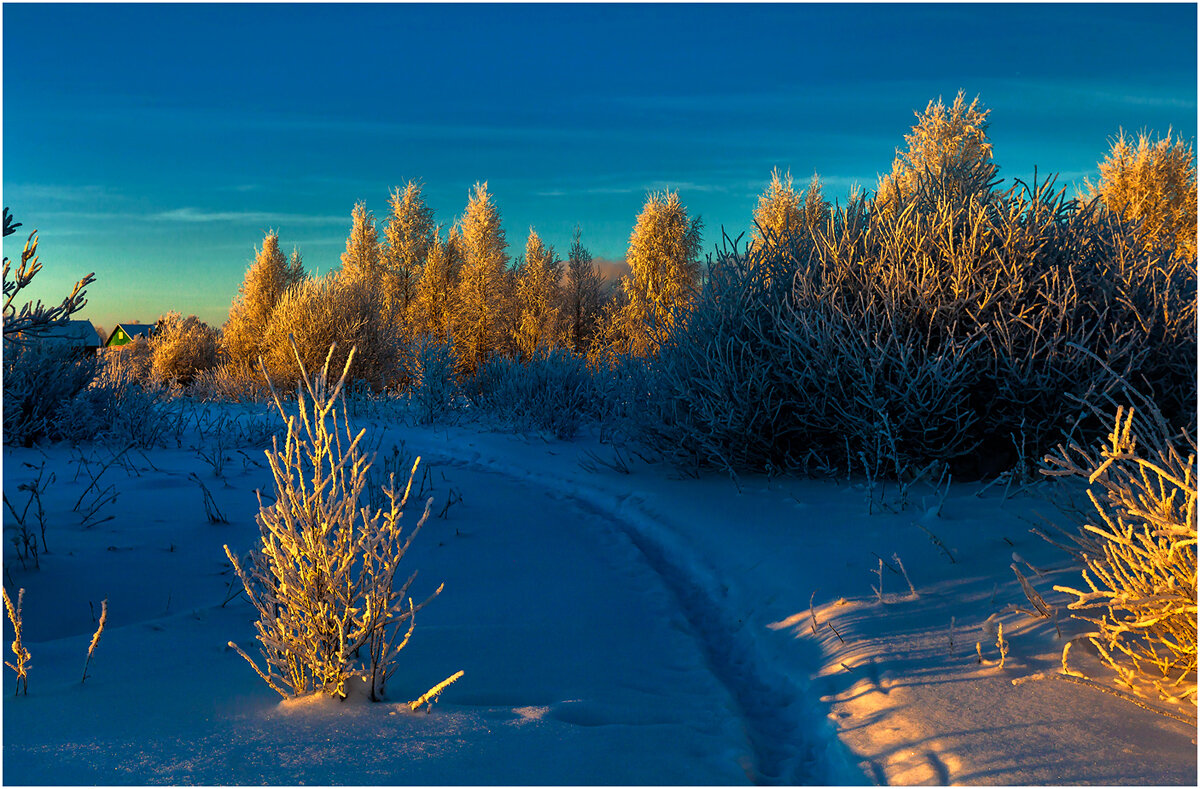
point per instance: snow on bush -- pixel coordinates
(552, 390)
(322, 577)
(21, 666)
(41, 377)
(947, 328)
(346, 309)
(34, 319)
(42, 380)
(435, 377)
(1140, 555)
(1152, 182)
(182, 348)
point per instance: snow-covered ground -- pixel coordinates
(615, 628)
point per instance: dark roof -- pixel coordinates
(136, 329)
(75, 332)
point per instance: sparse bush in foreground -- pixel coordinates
(18, 646)
(322, 579)
(1140, 557)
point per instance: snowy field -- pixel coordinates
(614, 628)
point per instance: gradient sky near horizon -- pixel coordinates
(156, 144)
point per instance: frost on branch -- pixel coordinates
(34, 319)
(322, 579)
(1140, 557)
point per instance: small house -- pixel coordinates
(125, 333)
(79, 335)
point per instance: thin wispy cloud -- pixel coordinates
(196, 215)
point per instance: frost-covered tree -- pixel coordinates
(182, 348)
(1154, 182)
(362, 255)
(947, 142)
(483, 297)
(779, 211)
(407, 238)
(663, 257)
(295, 269)
(266, 280)
(537, 296)
(581, 296)
(436, 295)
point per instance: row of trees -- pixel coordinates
(462, 287)
(408, 280)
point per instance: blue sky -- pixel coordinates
(156, 144)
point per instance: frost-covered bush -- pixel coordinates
(434, 376)
(950, 327)
(339, 309)
(1139, 556)
(129, 363)
(553, 391)
(228, 381)
(322, 579)
(42, 380)
(125, 404)
(182, 348)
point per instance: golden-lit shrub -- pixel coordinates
(338, 308)
(322, 578)
(1139, 557)
(182, 348)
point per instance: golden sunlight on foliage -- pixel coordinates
(1140, 558)
(945, 141)
(663, 254)
(1153, 182)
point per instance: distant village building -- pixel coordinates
(125, 333)
(81, 335)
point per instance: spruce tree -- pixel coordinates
(537, 296)
(581, 296)
(664, 272)
(483, 299)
